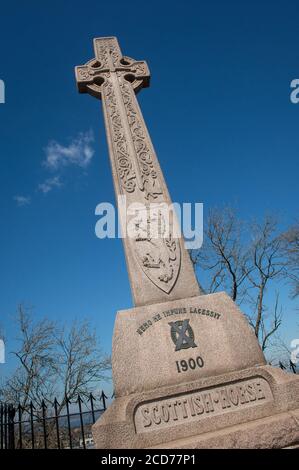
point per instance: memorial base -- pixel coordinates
(190, 374)
(253, 408)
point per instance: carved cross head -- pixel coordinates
(109, 59)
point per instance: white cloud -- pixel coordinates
(49, 184)
(79, 152)
(22, 200)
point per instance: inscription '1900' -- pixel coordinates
(194, 406)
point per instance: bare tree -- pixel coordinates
(31, 380)
(223, 253)
(268, 330)
(53, 362)
(244, 259)
(290, 240)
(81, 363)
(267, 265)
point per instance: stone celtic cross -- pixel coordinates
(159, 268)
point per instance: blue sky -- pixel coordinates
(218, 110)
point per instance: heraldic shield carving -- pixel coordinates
(156, 248)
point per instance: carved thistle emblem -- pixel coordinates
(156, 249)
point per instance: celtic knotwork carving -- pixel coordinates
(108, 58)
(123, 160)
(139, 69)
(150, 181)
(84, 73)
(105, 48)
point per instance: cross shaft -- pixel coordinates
(159, 269)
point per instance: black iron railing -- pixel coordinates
(51, 425)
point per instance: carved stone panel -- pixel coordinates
(155, 248)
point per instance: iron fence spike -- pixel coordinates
(56, 402)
